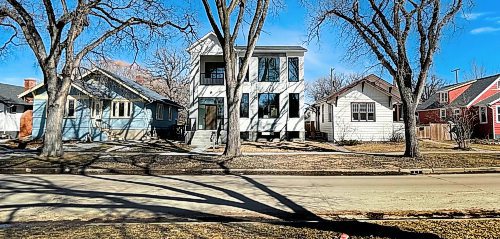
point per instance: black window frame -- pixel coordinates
(219, 74)
(247, 75)
(356, 109)
(293, 71)
(295, 111)
(262, 75)
(245, 105)
(397, 113)
(70, 112)
(268, 106)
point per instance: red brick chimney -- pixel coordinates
(29, 83)
(139, 79)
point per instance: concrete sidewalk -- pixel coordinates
(70, 197)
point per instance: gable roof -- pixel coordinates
(477, 87)
(129, 84)
(375, 81)
(490, 100)
(8, 94)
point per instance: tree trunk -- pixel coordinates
(55, 105)
(410, 121)
(233, 144)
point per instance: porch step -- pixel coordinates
(201, 138)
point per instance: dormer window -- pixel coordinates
(498, 84)
(443, 97)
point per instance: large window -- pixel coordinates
(121, 109)
(269, 69)
(330, 112)
(498, 114)
(96, 109)
(269, 106)
(214, 74)
(397, 113)
(293, 69)
(159, 111)
(70, 109)
(363, 111)
(293, 100)
(244, 106)
(483, 115)
(170, 113)
(323, 113)
(247, 75)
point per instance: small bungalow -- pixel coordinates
(368, 109)
(12, 109)
(104, 106)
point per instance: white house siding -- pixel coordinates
(210, 50)
(10, 122)
(380, 130)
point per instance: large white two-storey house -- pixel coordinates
(272, 100)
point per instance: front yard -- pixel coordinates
(425, 145)
(176, 164)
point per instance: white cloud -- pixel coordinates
(481, 30)
(473, 15)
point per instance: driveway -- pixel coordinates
(71, 197)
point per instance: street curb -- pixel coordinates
(335, 172)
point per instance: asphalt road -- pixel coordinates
(106, 197)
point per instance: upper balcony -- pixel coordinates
(212, 70)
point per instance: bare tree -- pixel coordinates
(227, 31)
(390, 30)
(166, 73)
(462, 123)
(476, 71)
(61, 35)
(169, 69)
(325, 86)
(432, 85)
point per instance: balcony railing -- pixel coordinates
(212, 79)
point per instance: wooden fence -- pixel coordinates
(439, 132)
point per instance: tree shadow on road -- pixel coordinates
(155, 204)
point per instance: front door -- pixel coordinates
(211, 117)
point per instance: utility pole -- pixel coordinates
(456, 74)
(331, 76)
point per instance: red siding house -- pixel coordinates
(481, 95)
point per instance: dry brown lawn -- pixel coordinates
(489, 147)
(386, 147)
(283, 146)
(448, 229)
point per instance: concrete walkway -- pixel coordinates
(69, 197)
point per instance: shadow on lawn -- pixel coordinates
(128, 205)
(307, 146)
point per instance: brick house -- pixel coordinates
(482, 96)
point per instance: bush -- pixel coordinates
(397, 137)
(348, 142)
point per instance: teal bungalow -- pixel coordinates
(104, 106)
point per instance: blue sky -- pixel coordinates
(476, 39)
